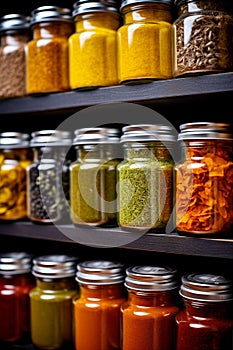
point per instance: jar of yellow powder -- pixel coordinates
(93, 48)
(145, 41)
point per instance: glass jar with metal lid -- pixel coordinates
(16, 281)
(93, 47)
(14, 35)
(48, 177)
(47, 52)
(51, 301)
(203, 32)
(93, 177)
(204, 191)
(146, 177)
(97, 309)
(15, 156)
(145, 41)
(206, 321)
(148, 316)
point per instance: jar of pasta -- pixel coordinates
(145, 41)
(14, 35)
(206, 320)
(145, 177)
(203, 37)
(51, 301)
(148, 316)
(15, 157)
(97, 309)
(93, 177)
(47, 52)
(93, 47)
(204, 191)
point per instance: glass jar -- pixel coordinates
(145, 41)
(15, 156)
(48, 177)
(47, 52)
(146, 177)
(16, 281)
(204, 191)
(97, 310)
(93, 47)
(93, 177)
(148, 316)
(51, 301)
(206, 321)
(14, 36)
(203, 32)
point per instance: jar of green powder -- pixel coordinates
(93, 176)
(146, 177)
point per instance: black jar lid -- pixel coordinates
(205, 131)
(98, 135)
(13, 22)
(51, 14)
(10, 139)
(93, 6)
(51, 138)
(147, 132)
(139, 2)
(15, 263)
(54, 266)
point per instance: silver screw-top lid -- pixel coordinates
(147, 132)
(96, 135)
(14, 263)
(135, 2)
(51, 14)
(205, 131)
(206, 287)
(54, 266)
(14, 21)
(93, 6)
(100, 272)
(11, 139)
(151, 278)
(51, 138)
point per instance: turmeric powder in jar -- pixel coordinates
(145, 41)
(93, 48)
(47, 53)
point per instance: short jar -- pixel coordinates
(206, 319)
(145, 177)
(148, 316)
(97, 309)
(51, 301)
(204, 191)
(203, 32)
(93, 46)
(15, 33)
(16, 281)
(145, 41)
(47, 52)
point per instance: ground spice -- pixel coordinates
(145, 42)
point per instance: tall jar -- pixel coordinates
(97, 310)
(93, 177)
(93, 47)
(47, 52)
(145, 41)
(203, 32)
(148, 316)
(14, 35)
(206, 322)
(51, 301)
(146, 177)
(15, 156)
(48, 177)
(204, 191)
(16, 281)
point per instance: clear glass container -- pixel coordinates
(16, 281)
(148, 316)
(93, 46)
(206, 322)
(146, 177)
(203, 32)
(204, 191)
(145, 41)
(15, 33)
(97, 309)
(51, 301)
(47, 52)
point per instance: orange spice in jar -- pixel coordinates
(204, 181)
